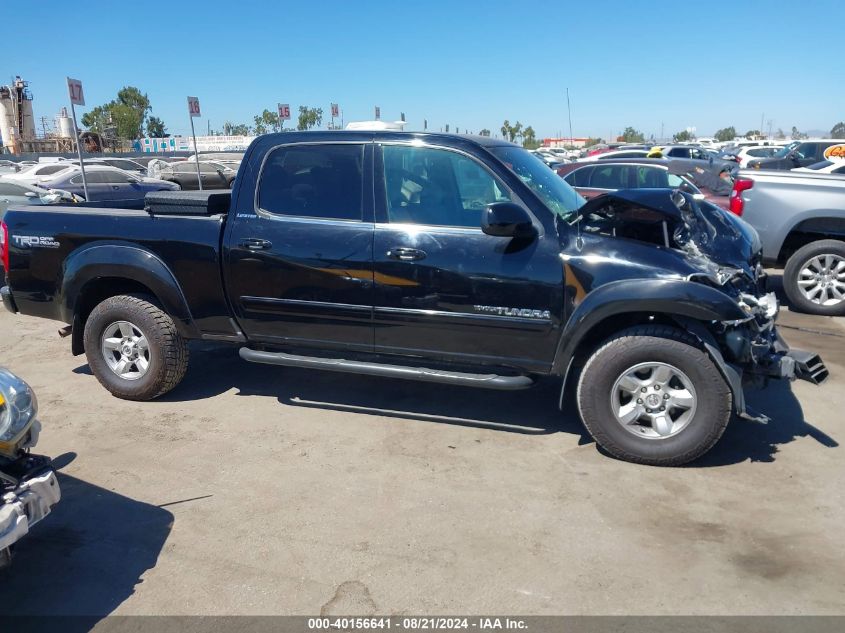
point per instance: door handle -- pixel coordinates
(406, 254)
(256, 244)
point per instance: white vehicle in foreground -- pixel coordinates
(28, 485)
(748, 153)
(619, 153)
(824, 167)
(34, 173)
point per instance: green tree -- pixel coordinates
(126, 114)
(236, 129)
(511, 132)
(97, 119)
(156, 128)
(838, 130)
(751, 133)
(682, 137)
(309, 118)
(630, 135)
(593, 141)
(484, 132)
(267, 122)
(529, 138)
(725, 134)
(795, 133)
(780, 135)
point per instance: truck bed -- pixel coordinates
(51, 241)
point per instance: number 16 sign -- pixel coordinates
(194, 106)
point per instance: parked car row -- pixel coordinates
(114, 178)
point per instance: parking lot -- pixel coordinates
(253, 489)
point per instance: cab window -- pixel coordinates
(437, 187)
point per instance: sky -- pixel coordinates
(653, 65)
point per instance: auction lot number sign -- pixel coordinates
(194, 106)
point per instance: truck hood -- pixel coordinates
(667, 218)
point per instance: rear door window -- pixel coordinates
(315, 181)
(609, 177)
(580, 177)
(651, 178)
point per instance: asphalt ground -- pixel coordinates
(253, 489)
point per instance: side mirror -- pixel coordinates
(507, 219)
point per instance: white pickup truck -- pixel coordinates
(800, 217)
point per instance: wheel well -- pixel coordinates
(93, 293)
(609, 326)
(602, 331)
(810, 231)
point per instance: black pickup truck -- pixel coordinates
(430, 257)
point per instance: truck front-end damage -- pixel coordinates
(705, 245)
(750, 350)
(28, 485)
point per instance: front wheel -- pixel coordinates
(134, 349)
(814, 278)
(649, 395)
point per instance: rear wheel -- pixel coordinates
(814, 278)
(650, 395)
(134, 349)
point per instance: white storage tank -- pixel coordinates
(64, 125)
(7, 116)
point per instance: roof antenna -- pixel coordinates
(579, 242)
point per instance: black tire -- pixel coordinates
(654, 344)
(167, 350)
(792, 272)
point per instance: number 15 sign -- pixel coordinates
(194, 106)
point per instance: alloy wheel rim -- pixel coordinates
(653, 400)
(126, 350)
(822, 280)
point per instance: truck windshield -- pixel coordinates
(553, 190)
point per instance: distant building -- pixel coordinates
(186, 144)
(565, 142)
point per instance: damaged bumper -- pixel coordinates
(751, 351)
(798, 363)
(31, 490)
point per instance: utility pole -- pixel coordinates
(44, 126)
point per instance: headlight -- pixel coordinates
(18, 406)
(718, 277)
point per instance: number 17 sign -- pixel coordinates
(193, 106)
(74, 89)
